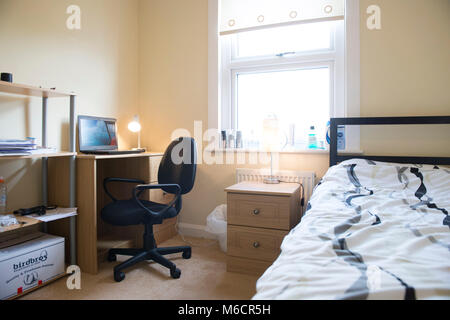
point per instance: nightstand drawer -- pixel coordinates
(259, 211)
(254, 243)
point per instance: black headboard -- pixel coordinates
(335, 158)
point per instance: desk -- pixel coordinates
(94, 236)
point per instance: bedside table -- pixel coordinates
(259, 217)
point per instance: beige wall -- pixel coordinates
(98, 62)
(173, 93)
(158, 62)
(404, 71)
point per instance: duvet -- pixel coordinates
(372, 230)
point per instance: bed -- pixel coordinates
(373, 229)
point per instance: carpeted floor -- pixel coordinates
(203, 277)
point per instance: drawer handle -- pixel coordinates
(256, 244)
(256, 212)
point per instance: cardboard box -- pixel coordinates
(29, 262)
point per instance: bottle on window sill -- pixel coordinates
(239, 143)
(223, 144)
(312, 138)
(231, 143)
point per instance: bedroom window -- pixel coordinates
(288, 72)
(291, 63)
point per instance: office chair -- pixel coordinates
(176, 175)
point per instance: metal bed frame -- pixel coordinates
(335, 158)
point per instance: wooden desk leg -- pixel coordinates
(87, 215)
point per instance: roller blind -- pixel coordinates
(246, 15)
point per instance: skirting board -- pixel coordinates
(194, 230)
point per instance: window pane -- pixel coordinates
(299, 99)
(298, 38)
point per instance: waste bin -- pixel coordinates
(216, 224)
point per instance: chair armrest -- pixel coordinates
(142, 188)
(108, 180)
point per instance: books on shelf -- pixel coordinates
(16, 147)
(13, 142)
(10, 148)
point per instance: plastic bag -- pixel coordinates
(216, 224)
(8, 220)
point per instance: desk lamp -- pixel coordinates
(271, 141)
(135, 126)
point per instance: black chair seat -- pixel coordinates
(128, 212)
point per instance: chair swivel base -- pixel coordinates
(139, 255)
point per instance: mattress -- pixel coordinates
(372, 230)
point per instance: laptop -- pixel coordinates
(98, 136)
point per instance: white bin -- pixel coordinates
(216, 224)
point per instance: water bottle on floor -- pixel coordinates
(3, 195)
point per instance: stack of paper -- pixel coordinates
(56, 214)
(16, 147)
(21, 148)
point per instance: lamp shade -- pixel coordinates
(271, 134)
(134, 126)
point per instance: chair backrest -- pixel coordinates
(179, 165)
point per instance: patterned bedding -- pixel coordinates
(372, 230)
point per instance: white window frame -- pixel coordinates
(231, 66)
(346, 72)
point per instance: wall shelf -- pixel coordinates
(25, 223)
(40, 156)
(64, 200)
(30, 91)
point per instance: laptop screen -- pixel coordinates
(97, 133)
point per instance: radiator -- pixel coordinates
(307, 179)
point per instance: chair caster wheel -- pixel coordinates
(119, 276)
(175, 273)
(112, 257)
(187, 254)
